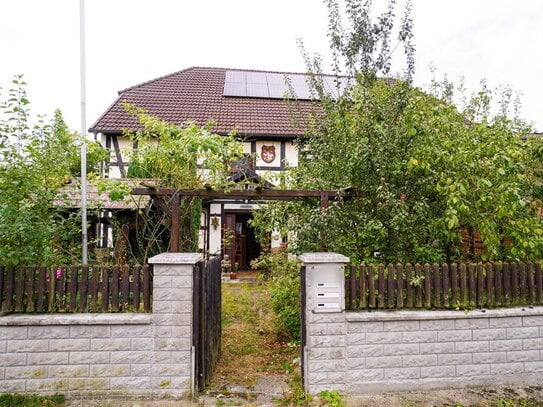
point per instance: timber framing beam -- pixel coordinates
(249, 194)
(257, 194)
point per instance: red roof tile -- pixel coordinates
(197, 94)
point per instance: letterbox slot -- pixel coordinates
(330, 305)
(328, 295)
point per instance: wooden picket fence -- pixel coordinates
(75, 289)
(443, 286)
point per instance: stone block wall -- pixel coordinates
(64, 353)
(365, 352)
(138, 354)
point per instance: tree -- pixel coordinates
(36, 163)
(425, 169)
(172, 156)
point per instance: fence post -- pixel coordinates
(323, 320)
(172, 366)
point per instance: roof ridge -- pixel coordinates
(163, 77)
(285, 72)
(220, 69)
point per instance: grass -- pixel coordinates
(251, 348)
(30, 400)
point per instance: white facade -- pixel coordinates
(285, 155)
(270, 157)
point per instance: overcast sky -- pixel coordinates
(132, 41)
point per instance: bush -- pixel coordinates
(282, 274)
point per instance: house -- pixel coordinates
(251, 103)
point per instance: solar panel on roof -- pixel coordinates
(235, 76)
(274, 85)
(276, 78)
(297, 79)
(235, 89)
(257, 90)
(277, 91)
(256, 77)
(331, 86)
(337, 86)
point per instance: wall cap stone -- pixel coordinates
(323, 257)
(75, 319)
(364, 316)
(176, 258)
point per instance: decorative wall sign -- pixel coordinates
(267, 154)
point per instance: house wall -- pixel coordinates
(119, 148)
(93, 354)
(215, 233)
(364, 352)
(291, 156)
(210, 238)
(286, 154)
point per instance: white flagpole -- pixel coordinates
(84, 239)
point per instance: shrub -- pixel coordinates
(282, 274)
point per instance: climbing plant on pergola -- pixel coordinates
(255, 195)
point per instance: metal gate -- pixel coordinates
(206, 335)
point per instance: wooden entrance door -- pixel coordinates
(239, 240)
(234, 241)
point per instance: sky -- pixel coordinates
(133, 41)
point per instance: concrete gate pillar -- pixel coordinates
(323, 321)
(172, 368)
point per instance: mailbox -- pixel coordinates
(326, 287)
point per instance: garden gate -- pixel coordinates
(206, 333)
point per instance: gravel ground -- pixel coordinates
(472, 397)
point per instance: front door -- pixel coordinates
(239, 240)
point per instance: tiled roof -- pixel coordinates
(70, 195)
(197, 94)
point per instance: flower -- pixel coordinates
(59, 273)
(402, 197)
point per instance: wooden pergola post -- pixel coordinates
(324, 199)
(174, 238)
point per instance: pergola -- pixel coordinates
(256, 194)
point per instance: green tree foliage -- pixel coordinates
(361, 42)
(175, 157)
(36, 161)
(172, 154)
(424, 169)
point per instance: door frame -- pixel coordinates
(238, 237)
